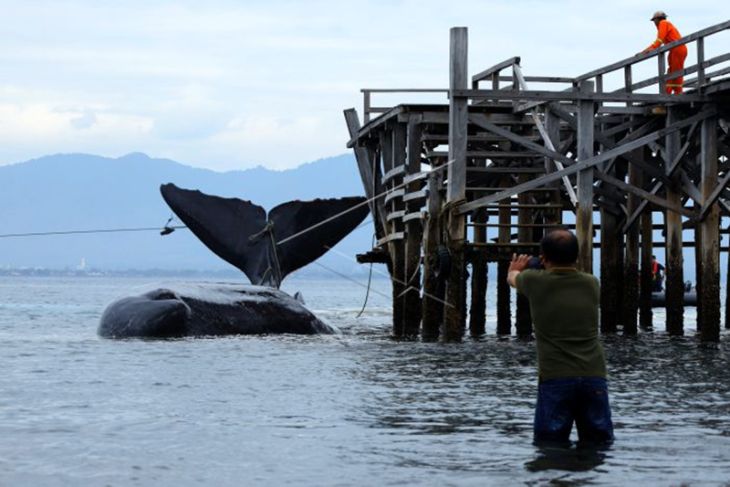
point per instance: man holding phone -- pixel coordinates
(571, 364)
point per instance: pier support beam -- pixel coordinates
(709, 297)
(631, 263)
(454, 312)
(433, 282)
(584, 214)
(610, 271)
(504, 292)
(523, 318)
(414, 237)
(478, 308)
(673, 221)
(393, 145)
(645, 276)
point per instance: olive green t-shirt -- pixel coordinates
(564, 308)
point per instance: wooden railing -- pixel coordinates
(700, 82)
(368, 108)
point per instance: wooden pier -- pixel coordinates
(457, 185)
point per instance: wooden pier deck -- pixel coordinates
(485, 173)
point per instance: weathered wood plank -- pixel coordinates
(588, 163)
(369, 172)
(523, 317)
(709, 297)
(433, 282)
(630, 301)
(504, 292)
(548, 96)
(454, 315)
(414, 237)
(584, 213)
(673, 220)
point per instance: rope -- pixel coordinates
(84, 232)
(370, 280)
(353, 208)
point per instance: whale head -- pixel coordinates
(156, 314)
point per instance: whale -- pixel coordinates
(266, 247)
(209, 310)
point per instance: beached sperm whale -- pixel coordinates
(265, 247)
(209, 310)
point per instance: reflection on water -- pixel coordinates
(353, 409)
(566, 457)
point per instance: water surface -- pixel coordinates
(352, 409)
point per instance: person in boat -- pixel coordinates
(572, 385)
(657, 275)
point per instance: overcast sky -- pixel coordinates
(234, 84)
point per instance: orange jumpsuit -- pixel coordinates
(666, 33)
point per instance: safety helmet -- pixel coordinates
(659, 14)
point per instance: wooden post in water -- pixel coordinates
(504, 292)
(414, 236)
(631, 261)
(584, 214)
(454, 312)
(727, 289)
(523, 319)
(646, 282)
(610, 271)
(433, 286)
(698, 259)
(392, 143)
(674, 272)
(710, 230)
(478, 308)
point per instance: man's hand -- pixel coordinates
(519, 263)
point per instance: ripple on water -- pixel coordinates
(350, 409)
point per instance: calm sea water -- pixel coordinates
(352, 409)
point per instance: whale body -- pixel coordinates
(265, 246)
(209, 310)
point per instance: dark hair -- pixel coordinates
(560, 247)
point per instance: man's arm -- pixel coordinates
(662, 30)
(519, 263)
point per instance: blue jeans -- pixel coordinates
(562, 401)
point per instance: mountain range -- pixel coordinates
(86, 192)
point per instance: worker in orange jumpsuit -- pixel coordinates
(666, 33)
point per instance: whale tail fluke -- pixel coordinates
(266, 249)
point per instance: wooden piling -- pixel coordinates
(414, 236)
(584, 213)
(630, 299)
(523, 318)
(610, 271)
(710, 226)
(433, 282)
(504, 292)
(727, 290)
(674, 281)
(454, 312)
(392, 144)
(478, 308)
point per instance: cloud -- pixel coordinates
(229, 84)
(84, 121)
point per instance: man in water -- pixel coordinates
(571, 364)
(666, 33)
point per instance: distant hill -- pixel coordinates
(80, 191)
